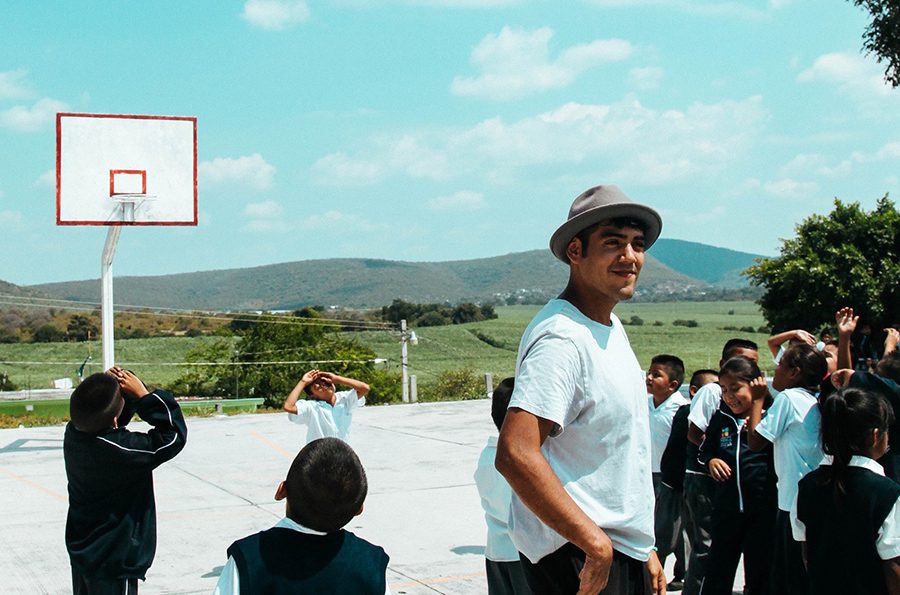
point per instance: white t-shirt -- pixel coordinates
(887, 542)
(792, 425)
(661, 425)
(496, 496)
(323, 420)
(705, 403)
(584, 377)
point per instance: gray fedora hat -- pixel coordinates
(599, 204)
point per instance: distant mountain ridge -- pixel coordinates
(366, 283)
(719, 267)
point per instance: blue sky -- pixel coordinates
(432, 130)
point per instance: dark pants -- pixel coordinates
(506, 578)
(557, 573)
(788, 576)
(82, 585)
(735, 533)
(698, 491)
(668, 526)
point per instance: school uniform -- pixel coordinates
(792, 425)
(322, 420)
(890, 390)
(743, 515)
(848, 540)
(669, 513)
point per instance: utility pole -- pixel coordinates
(404, 361)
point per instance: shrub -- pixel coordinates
(48, 334)
(658, 323)
(688, 323)
(455, 385)
(636, 321)
(748, 329)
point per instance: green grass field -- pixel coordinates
(488, 346)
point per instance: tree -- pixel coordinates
(849, 257)
(882, 36)
(81, 328)
(48, 333)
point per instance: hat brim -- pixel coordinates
(568, 230)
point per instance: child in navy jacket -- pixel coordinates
(745, 500)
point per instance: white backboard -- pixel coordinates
(126, 170)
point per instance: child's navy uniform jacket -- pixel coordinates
(677, 455)
(111, 526)
(752, 484)
(890, 390)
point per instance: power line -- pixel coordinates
(269, 363)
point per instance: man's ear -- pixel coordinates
(281, 492)
(361, 507)
(573, 250)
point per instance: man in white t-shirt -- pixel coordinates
(575, 445)
(325, 413)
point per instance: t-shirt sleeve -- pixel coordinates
(547, 381)
(888, 541)
(351, 398)
(302, 415)
(777, 418)
(704, 405)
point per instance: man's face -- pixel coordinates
(613, 261)
(321, 389)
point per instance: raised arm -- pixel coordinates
(520, 461)
(846, 325)
(776, 341)
(361, 388)
(759, 388)
(290, 404)
(890, 340)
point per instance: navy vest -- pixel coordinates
(841, 537)
(282, 560)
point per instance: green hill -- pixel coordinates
(719, 267)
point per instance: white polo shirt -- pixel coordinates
(496, 496)
(792, 425)
(661, 425)
(705, 403)
(324, 421)
(584, 377)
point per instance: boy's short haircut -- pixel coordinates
(732, 345)
(500, 400)
(94, 403)
(673, 365)
(889, 366)
(326, 485)
(696, 376)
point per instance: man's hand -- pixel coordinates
(595, 573)
(841, 378)
(310, 376)
(657, 574)
(759, 388)
(846, 321)
(891, 340)
(128, 382)
(719, 470)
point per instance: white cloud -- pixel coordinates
(791, 189)
(275, 15)
(264, 216)
(13, 85)
(645, 78)
(515, 63)
(711, 8)
(465, 200)
(32, 119)
(332, 220)
(11, 219)
(263, 210)
(889, 151)
(855, 77)
(46, 179)
(814, 164)
(625, 141)
(250, 170)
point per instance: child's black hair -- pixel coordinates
(326, 485)
(732, 345)
(500, 400)
(889, 366)
(673, 365)
(698, 374)
(94, 403)
(812, 364)
(848, 417)
(741, 367)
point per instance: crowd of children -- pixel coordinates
(797, 478)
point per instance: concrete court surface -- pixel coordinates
(422, 506)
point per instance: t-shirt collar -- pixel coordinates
(287, 523)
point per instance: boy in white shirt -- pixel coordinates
(326, 413)
(504, 570)
(664, 378)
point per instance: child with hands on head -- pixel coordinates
(325, 412)
(846, 511)
(744, 502)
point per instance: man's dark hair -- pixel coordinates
(326, 485)
(500, 400)
(617, 222)
(94, 403)
(696, 376)
(732, 345)
(672, 364)
(889, 366)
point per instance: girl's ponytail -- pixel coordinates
(848, 417)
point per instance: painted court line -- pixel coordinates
(34, 485)
(275, 447)
(435, 581)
